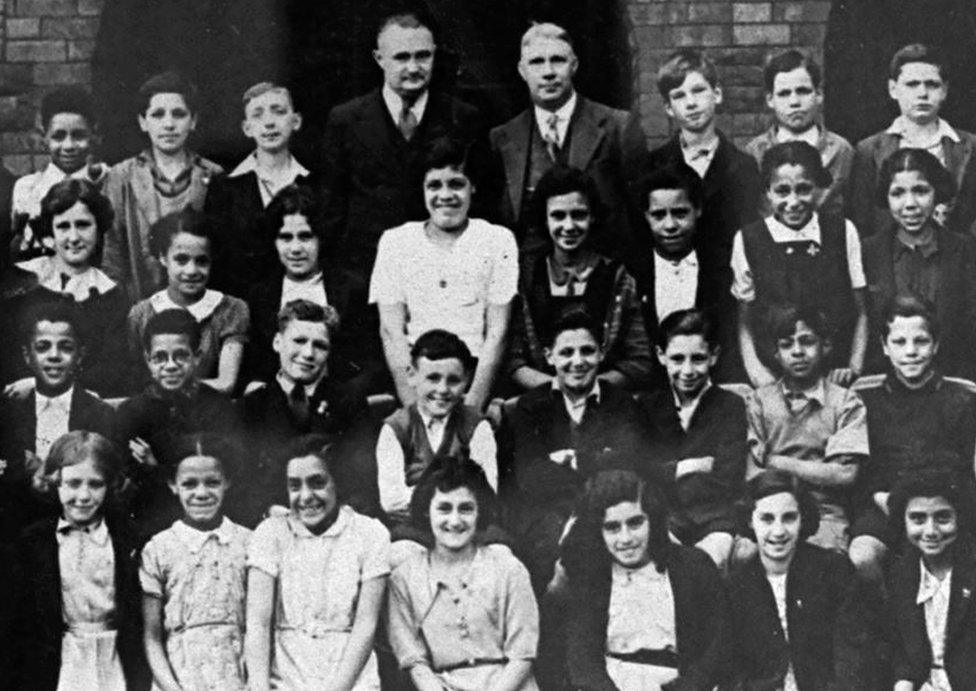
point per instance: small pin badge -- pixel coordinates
(813, 250)
(967, 593)
(789, 250)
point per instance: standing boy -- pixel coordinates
(794, 94)
(688, 83)
(235, 203)
(808, 426)
(918, 83)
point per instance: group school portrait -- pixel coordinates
(531, 345)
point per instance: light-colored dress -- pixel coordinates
(641, 617)
(489, 618)
(319, 578)
(201, 577)
(89, 658)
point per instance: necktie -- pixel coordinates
(298, 402)
(408, 122)
(552, 136)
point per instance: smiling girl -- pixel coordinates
(462, 615)
(166, 178)
(316, 580)
(193, 577)
(183, 245)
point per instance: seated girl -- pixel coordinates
(76, 216)
(797, 622)
(567, 203)
(183, 245)
(462, 615)
(643, 613)
(931, 588)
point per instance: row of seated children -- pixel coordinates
(297, 602)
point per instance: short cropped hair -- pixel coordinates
(690, 322)
(65, 195)
(781, 321)
(572, 318)
(57, 309)
(770, 482)
(917, 52)
(918, 160)
(188, 220)
(787, 61)
(68, 99)
(445, 474)
(294, 199)
(306, 311)
(407, 20)
(172, 322)
(557, 181)
(547, 30)
(438, 344)
(679, 65)
(170, 82)
(797, 154)
(935, 480)
(910, 306)
(670, 178)
(224, 449)
(261, 88)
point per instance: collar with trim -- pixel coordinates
(901, 126)
(564, 113)
(201, 309)
(97, 533)
(394, 104)
(781, 232)
(79, 286)
(817, 392)
(298, 529)
(194, 539)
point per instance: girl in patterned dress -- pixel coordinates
(193, 577)
(316, 580)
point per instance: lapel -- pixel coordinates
(26, 424)
(587, 131)
(336, 289)
(373, 130)
(963, 590)
(48, 576)
(247, 195)
(886, 145)
(80, 415)
(145, 196)
(957, 157)
(515, 151)
(911, 616)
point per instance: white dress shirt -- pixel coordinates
(933, 595)
(270, 183)
(564, 114)
(675, 284)
(700, 156)
(312, 289)
(687, 410)
(52, 414)
(394, 104)
(902, 128)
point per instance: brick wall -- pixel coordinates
(45, 43)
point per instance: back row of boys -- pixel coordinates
(372, 163)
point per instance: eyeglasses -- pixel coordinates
(179, 357)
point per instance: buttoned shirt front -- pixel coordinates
(52, 415)
(675, 283)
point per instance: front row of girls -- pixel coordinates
(296, 603)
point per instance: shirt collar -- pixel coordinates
(929, 586)
(783, 233)
(701, 149)
(312, 282)
(901, 126)
(288, 384)
(299, 530)
(61, 401)
(647, 573)
(813, 136)
(689, 261)
(394, 104)
(564, 113)
(693, 403)
(194, 539)
(431, 422)
(250, 164)
(927, 248)
(97, 533)
(893, 383)
(201, 309)
(79, 286)
(817, 392)
(595, 394)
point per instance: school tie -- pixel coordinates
(298, 402)
(408, 122)
(552, 136)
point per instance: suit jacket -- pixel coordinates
(356, 349)
(912, 655)
(828, 637)
(40, 623)
(373, 178)
(732, 194)
(605, 142)
(712, 296)
(18, 426)
(870, 153)
(955, 299)
(701, 624)
(244, 245)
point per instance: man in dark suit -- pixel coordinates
(374, 145)
(301, 399)
(562, 126)
(355, 357)
(30, 425)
